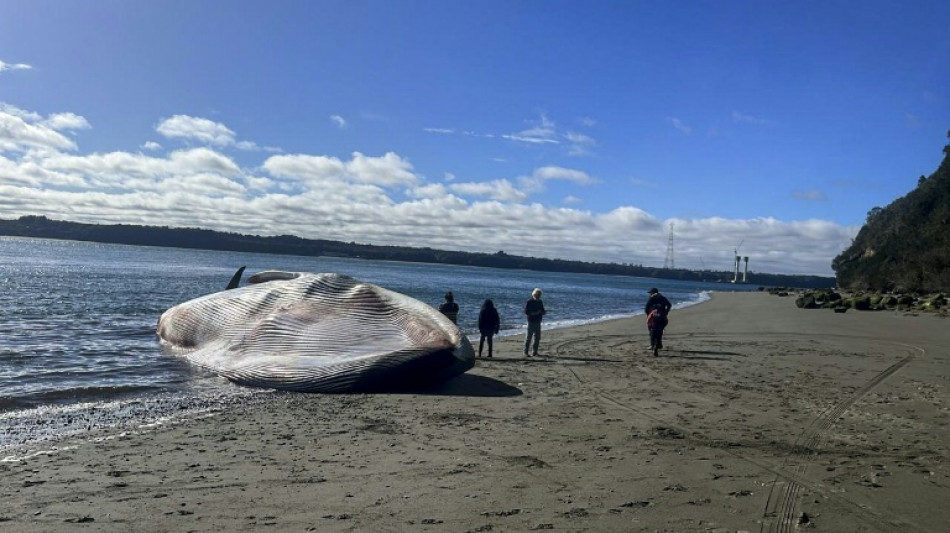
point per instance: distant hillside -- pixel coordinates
(42, 227)
(906, 245)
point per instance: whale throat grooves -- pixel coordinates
(316, 333)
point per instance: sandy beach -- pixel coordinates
(758, 416)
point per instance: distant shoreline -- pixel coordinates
(194, 238)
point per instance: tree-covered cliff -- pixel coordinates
(906, 245)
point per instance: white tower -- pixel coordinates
(668, 263)
(735, 273)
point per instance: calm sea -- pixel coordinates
(78, 349)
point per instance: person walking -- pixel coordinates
(488, 324)
(449, 308)
(534, 310)
(657, 308)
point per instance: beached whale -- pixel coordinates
(317, 333)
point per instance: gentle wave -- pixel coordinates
(46, 424)
(71, 395)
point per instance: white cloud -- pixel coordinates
(338, 120)
(388, 171)
(66, 121)
(749, 119)
(249, 146)
(196, 129)
(432, 190)
(535, 183)
(115, 168)
(678, 124)
(374, 199)
(549, 173)
(14, 66)
(809, 195)
(572, 200)
(579, 144)
(21, 130)
(629, 219)
(206, 131)
(501, 190)
(28, 116)
(310, 168)
(209, 185)
(151, 146)
(544, 131)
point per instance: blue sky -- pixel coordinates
(577, 130)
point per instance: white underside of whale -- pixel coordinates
(316, 332)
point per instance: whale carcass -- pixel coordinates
(317, 333)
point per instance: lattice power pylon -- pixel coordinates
(668, 263)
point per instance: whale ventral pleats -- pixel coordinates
(316, 332)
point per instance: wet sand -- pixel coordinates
(757, 416)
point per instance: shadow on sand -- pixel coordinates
(548, 359)
(703, 355)
(468, 385)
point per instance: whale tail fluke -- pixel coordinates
(235, 279)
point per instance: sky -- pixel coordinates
(576, 130)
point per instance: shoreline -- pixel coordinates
(757, 416)
(701, 297)
(64, 404)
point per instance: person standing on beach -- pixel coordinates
(534, 310)
(449, 308)
(488, 324)
(656, 309)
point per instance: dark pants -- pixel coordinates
(656, 337)
(656, 333)
(481, 342)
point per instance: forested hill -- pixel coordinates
(906, 245)
(42, 227)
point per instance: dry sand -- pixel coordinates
(758, 416)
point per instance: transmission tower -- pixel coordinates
(668, 263)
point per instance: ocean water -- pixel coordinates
(78, 349)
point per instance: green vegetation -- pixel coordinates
(904, 247)
(42, 227)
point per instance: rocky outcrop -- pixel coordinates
(937, 303)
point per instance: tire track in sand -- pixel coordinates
(780, 514)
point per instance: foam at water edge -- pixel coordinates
(35, 431)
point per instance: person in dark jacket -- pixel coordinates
(534, 311)
(488, 324)
(449, 308)
(656, 309)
